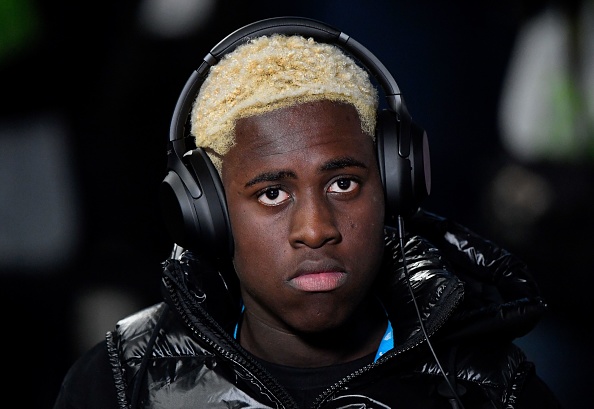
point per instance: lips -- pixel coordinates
(317, 277)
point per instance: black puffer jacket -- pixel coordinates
(474, 299)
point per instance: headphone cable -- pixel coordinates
(456, 402)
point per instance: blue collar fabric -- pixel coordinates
(386, 344)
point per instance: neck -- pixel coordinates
(356, 338)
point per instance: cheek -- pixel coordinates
(255, 241)
(369, 214)
(367, 221)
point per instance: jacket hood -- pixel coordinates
(501, 297)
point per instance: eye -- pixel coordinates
(343, 185)
(273, 196)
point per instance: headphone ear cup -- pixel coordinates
(395, 169)
(421, 163)
(194, 206)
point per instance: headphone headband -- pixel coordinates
(305, 27)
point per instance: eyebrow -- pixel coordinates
(271, 177)
(338, 163)
(344, 162)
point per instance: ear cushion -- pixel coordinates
(421, 163)
(194, 206)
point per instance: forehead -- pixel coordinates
(299, 131)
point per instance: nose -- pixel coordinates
(313, 223)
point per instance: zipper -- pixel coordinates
(361, 372)
(390, 355)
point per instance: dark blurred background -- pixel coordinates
(505, 90)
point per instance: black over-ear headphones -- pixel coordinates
(192, 194)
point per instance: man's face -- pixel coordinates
(306, 207)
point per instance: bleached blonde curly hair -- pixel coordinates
(273, 72)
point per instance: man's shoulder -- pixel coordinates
(144, 317)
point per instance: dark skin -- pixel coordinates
(306, 208)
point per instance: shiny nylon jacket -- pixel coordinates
(474, 299)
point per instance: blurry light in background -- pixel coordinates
(174, 18)
(19, 26)
(518, 198)
(547, 105)
(96, 312)
(39, 208)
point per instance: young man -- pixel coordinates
(315, 303)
